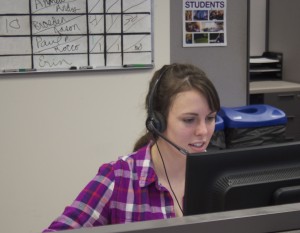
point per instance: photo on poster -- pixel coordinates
(204, 23)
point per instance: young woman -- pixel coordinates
(148, 184)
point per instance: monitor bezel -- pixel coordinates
(203, 169)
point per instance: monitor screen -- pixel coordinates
(233, 179)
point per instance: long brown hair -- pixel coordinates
(176, 78)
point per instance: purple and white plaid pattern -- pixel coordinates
(126, 190)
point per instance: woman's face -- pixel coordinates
(190, 122)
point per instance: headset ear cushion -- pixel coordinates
(159, 122)
(156, 122)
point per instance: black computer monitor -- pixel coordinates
(233, 179)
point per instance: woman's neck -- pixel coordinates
(174, 161)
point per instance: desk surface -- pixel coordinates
(261, 87)
(258, 220)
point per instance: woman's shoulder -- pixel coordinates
(135, 159)
(130, 163)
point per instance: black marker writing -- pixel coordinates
(54, 62)
(12, 24)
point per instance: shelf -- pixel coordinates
(266, 67)
(264, 70)
(262, 87)
(262, 60)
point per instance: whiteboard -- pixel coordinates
(61, 35)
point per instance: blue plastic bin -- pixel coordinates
(253, 125)
(260, 115)
(219, 123)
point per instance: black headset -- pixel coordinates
(156, 122)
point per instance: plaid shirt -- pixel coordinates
(123, 191)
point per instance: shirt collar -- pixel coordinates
(145, 170)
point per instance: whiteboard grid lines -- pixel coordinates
(50, 35)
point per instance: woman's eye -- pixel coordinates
(211, 118)
(188, 120)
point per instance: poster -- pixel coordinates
(204, 23)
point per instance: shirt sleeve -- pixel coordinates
(91, 207)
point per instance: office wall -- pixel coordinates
(56, 129)
(257, 27)
(284, 35)
(225, 66)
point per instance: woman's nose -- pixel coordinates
(201, 128)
